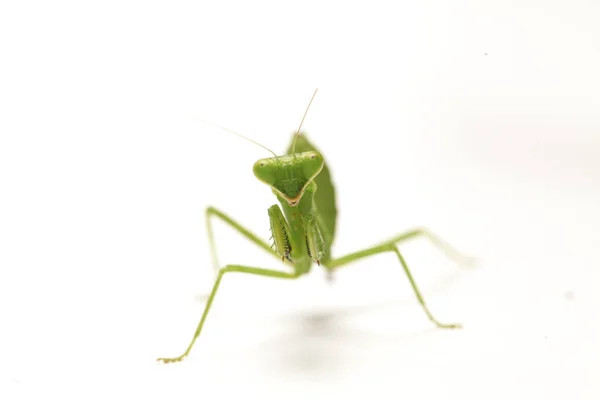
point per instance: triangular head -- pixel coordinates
(289, 175)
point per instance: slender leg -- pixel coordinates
(213, 212)
(450, 251)
(223, 271)
(389, 247)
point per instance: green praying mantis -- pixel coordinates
(303, 228)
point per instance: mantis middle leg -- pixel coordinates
(213, 212)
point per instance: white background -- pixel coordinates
(476, 119)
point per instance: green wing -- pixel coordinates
(324, 197)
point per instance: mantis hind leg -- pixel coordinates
(446, 248)
(391, 246)
(211, 297)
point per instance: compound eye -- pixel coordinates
(265, 171)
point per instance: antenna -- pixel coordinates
(238, 134)
(301, 122)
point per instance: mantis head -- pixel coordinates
(289, 175)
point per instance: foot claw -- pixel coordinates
(169, 360)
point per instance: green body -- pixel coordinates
(324, 201)
(303, 226)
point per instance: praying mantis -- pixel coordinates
(303, 226)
